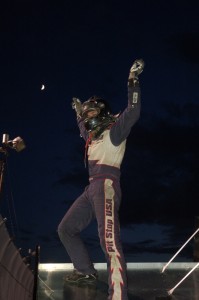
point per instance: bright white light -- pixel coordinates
(54, 267)
(42, 87)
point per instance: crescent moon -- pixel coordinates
(42, 87)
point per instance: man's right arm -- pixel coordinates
(83, 131)
(77, 106)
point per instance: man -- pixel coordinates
(105, 136)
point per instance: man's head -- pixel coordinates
(97, 114)
(95, 104)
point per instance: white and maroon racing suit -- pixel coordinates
(101, 199)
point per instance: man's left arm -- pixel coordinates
(121, 129)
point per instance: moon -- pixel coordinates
(42, 87)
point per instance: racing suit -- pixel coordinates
(101, 199)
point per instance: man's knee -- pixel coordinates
(66, 229)
(63, 229)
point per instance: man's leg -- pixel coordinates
(75, 220)
(106, 202)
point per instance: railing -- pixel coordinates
(17, 280)
(18, 275)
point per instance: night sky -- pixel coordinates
(85, 48)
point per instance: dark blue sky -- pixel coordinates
(81, 48)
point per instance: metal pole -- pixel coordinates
(172, 290)
(2, 167)
(163, 269)
(37, 253)
(1, 173)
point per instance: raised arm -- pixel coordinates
(121, 129)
